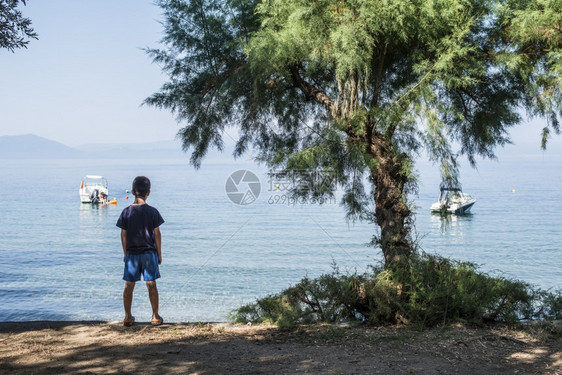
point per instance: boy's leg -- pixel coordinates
(153, 295)
(128, 299)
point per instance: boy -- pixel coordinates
(142, 248)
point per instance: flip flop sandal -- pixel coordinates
(129, 323)
(157, 322)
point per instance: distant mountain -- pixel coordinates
(32, 146)
(155, 150)
(161, 149)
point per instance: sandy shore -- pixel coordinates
(223, 348)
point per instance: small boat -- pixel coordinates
(453, 201)
(93, 189)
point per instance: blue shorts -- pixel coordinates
(137, 264)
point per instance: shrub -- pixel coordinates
(427, 291)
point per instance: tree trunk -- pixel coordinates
(391, 210)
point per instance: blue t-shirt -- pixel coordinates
(139, 221)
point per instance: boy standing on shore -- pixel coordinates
(142, 248)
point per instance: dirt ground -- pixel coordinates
(224, 348)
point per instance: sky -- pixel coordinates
(84, 79)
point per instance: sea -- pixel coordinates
(62, 260)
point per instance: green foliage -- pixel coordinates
(431, 290)
(385, 66)
(15, 30)
(329, 298)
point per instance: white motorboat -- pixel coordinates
(93, 189)
(453, 201)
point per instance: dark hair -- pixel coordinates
(141, 186)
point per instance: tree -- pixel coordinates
(360, 88)
(15, 30)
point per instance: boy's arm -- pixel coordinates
(158, 239)
(124, 242)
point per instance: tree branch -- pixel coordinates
(378, 76)
(310, 91)
(469, 94)
(466, 112)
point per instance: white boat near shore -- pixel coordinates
(93, 189)
(453, 201)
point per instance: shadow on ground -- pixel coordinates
(222, 348)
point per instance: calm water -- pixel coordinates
(62, 260)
